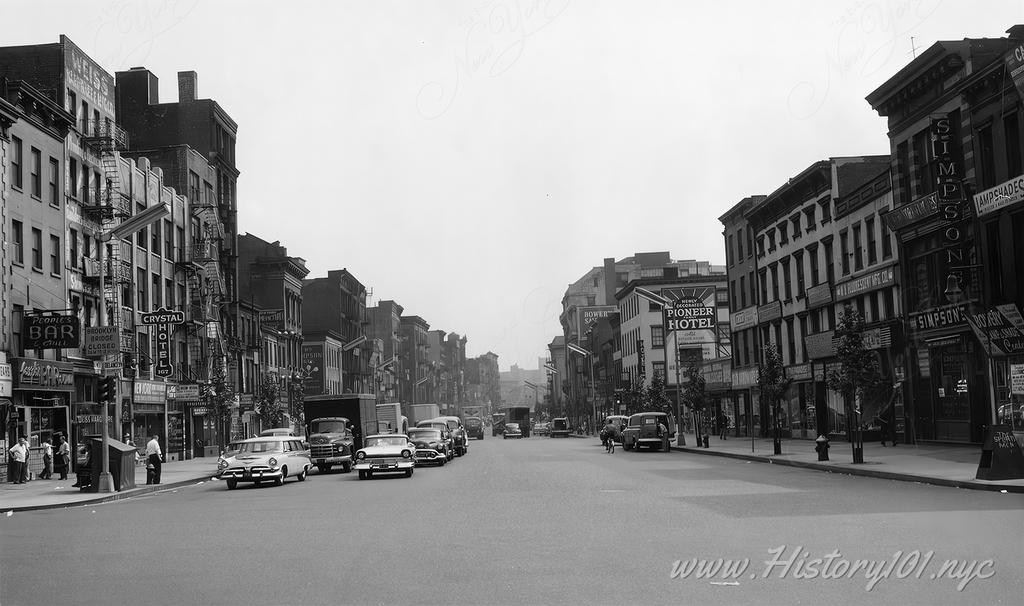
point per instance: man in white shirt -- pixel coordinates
(153, 455)
(19, 457)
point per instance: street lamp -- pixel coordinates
(576, 349)
(663, 302)
(122, 230)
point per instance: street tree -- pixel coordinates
(220, 398)
(857, 377)
(695, 394)
(773, 383)
(268, 402)
(656, 396)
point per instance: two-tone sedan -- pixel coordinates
(385, 453)
(431, 446)
(264, 459)
(512, 430)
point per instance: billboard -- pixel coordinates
(589, 315)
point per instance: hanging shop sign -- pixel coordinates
(948, 316)
(102, 340)
(819, 295)
(51, 332)
(6, 380)
(997, 333)
(743, 319)
(272, 318)
(183, 391)
(820, 345)
(48, 375)
(915, 211)
(150, 392)
(1014, 60)
(999, 197)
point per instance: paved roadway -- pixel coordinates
(528, 521)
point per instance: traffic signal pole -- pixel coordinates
(105, 483)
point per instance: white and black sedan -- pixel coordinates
(431, 446)
(385, 453)
(265, 459)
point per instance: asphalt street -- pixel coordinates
(529, 521)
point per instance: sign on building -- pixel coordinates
(102, 341)
(51, 332)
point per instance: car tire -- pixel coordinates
(346, 467)
(362, 474)
(301, 475)
(279, 481)
(232, 483)
(408, 472)
(321, 468)
(327, 468)
(443, 461)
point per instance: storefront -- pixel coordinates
(180, 397)
(798, 406)
(746, 402)
(42, 393)
(149, 411)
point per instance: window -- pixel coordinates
(36, 173)
(659, 369)
(812, 257)
(994, 262)
(809, 214)
(775, 281)
(888, 304)
(169, 293)
(732, 292)
(729, 257)
(750, 241)
(739, 246)
(18, 239)
(73, 247)
(657, 336)
(16, 162)
(1011, 135)
(140, 283)
(155, 244)
(986, 157)
(873, 304)
(179, 234)
(771, 240)
(72, 103)
(85, 185)
(869, 227)
(783, 233)
(790, 340)
(168, 240)
(803, 334)
(55, 251)
(858, 250)
(826, 210)
(37, 249)
(886, 243)
(156, 290)
(760, 245)
(17, 316)
(903, 174)
(787, 285)
(95, 122)
(923, 176)
(764, 286)
(795, 222)
(844, 251)
(73, 173)
(753, 288)
(830, 270)
(54, 179)
(141, 237)
(97, 184)
(798, 260)
(743, 293)
(85, 118)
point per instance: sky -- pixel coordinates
(470, 160)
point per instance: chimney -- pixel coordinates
(188, 83)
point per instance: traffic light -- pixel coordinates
(107, 389)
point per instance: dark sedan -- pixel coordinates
(512, 430)
(431, 446)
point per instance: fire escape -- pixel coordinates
(108, 206)
(207, 345)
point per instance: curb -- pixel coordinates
(116, 496)
(854, 471)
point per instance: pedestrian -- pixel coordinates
(153, 454)
(723, 426)
(63, 457)
(47, 472)
(19, 461)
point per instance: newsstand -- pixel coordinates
(122, 464)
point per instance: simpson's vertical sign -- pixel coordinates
(950, 192)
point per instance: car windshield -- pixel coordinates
(474, 422)
(560, 423)
(259, 447)
(425, 434)
(386, 441)
(327, 427)
(512, 427)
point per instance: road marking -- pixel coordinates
(612, 490)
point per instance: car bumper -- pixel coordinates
(336, 460)
(240, 475)
(378, 467)
(426, 456)
(514, 436)
(560, 433)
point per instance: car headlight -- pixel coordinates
(406, 454)
(222, 464)
(360, 455)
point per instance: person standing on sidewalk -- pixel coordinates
(723, 426)
(63, 457)
(153, 455)
(47, 472)
(19, 460)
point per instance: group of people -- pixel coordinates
(59, 461)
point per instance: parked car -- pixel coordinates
(458, 434)
(651, 429)
(475, 427)
(277, 431)
(560, 427)
(512, 431)
(445, 433)
(386, 453)
(431, 446)
(265, 458)
(542, 429)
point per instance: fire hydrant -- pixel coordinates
(821, 447)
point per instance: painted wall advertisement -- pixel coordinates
(588, 316)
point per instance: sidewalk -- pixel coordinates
(939, 464)
(57, 493)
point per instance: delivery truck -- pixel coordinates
(521, 415)
(360, 412)
(422, 412)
